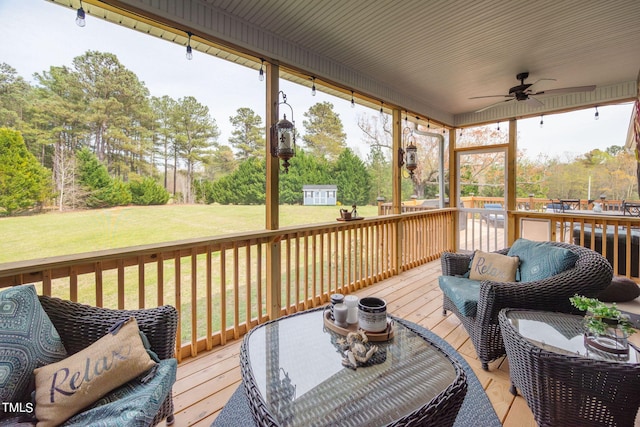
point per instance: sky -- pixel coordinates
(37, 34)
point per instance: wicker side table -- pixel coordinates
(293, 376)
(563, 383)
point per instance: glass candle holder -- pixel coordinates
(351, 301)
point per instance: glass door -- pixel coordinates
(482, 183)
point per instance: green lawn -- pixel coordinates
(55, 233)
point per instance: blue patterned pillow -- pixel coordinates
(28, 340)
(539, 260)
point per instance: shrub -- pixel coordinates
(146, 191)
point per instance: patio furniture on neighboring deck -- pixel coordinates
(630, 208)
(293, 373)
(562, 382)
(495, 219)
(478, 308)
(476, 408)
(563, 205)
(609, 237)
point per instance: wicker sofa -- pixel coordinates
(80, 325)
(590, 275)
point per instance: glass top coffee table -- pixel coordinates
(563, 381)
(293, 373)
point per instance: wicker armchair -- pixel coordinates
(590, 275)
(80, 325)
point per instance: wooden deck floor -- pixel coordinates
(205, 383)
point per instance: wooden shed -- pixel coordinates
(315, 195)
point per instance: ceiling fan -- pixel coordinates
(524, 92)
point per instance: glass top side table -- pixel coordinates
(561, 333)
(562, 381)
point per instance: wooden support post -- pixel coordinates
(511, 180)
(274, 303)
(454, 198)
(396, 132)
(396, 244)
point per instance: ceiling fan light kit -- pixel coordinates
(524, 92)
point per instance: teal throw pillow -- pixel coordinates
(539, 260)
(28, 340)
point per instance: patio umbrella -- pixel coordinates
(633, 135)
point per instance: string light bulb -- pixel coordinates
(353, 101)
(597, 116)
(189, 54)
(80, 17)
(542, 120)
(498, 125)
(381, 111)
(313, 86)
(261, 73)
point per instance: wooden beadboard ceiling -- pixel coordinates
(440, 52)
(448, 50)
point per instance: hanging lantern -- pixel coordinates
(411, 162)
(286, 133)
(410, 151)
(283, 137)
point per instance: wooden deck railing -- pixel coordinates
(616, 237)
(219, 284)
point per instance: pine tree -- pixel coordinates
(352, 178)
(248, 134)
(23, 182)
(324, 133)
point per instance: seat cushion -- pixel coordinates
(462, 292)
(539, 260)
(493, 266)
(621, 289)
(28, 340)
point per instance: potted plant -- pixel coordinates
(606, 328)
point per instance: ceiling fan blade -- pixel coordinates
(530, 88)
(492, 96)
(566, 90)
(494, 105)
(533, 102)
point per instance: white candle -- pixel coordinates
(340, 314)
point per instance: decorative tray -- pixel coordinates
(350, 219)
(373, 336)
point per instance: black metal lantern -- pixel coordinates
(411, 151)
(283, 137)
(411, 162)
